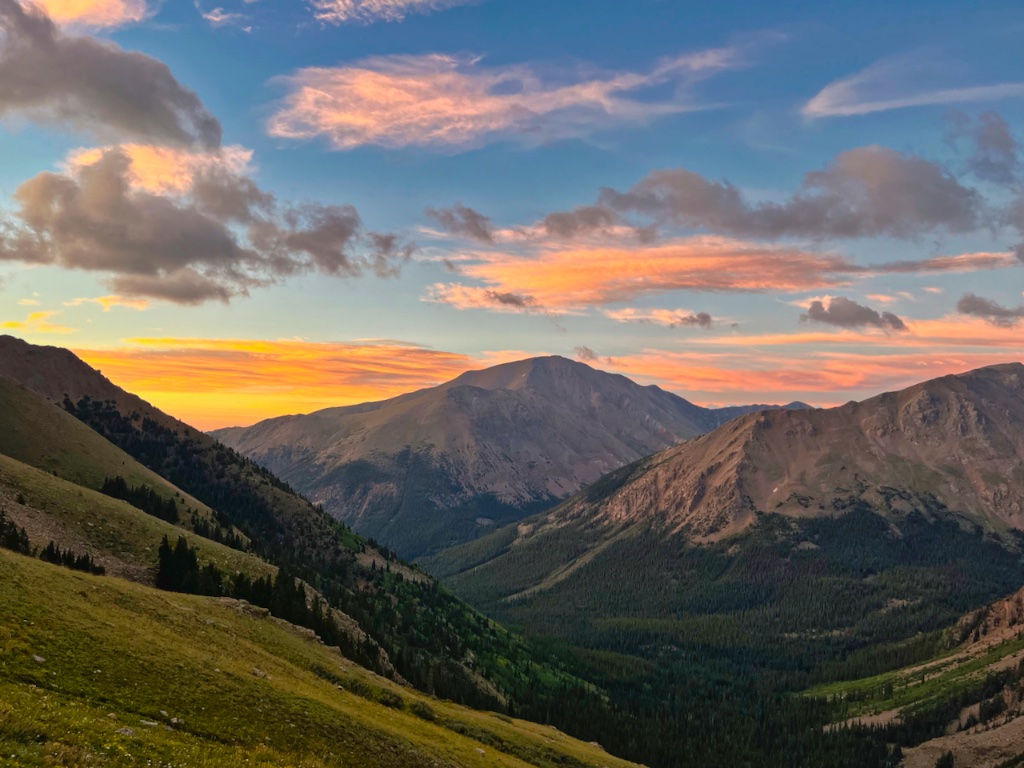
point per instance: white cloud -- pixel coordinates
(898, 83)
(369, 11)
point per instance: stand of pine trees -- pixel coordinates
(178, 570)
(54, 554)
(141, 497)
(15, 538)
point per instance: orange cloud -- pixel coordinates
(95, 13)
(822, 378)
(220, 382)
(37, 322)
(166, 170)
(671, 318)
(820, 366)
(952, 332)
(586, 276)
(109, 302)
(213, 383)
(447, 101)
(582, 275)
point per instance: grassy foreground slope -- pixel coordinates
(392, 618)
(100, 671)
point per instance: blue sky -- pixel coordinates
(727, 278)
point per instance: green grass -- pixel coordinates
(943, 679)
(107, 526)
(118, 653)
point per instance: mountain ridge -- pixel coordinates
(905, 510)
(429, 468)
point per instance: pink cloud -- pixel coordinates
(451, 102)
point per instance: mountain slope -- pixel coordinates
(958, 440)
(444, 465)
(100, 671)
(38, 434)
(967, 702)
(872, 520)
(412, 628)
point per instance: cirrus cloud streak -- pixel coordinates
(368, 11)
(451, 103)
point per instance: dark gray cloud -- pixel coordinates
(510, 299)
(587, 218)
(464, 221)
(49, 75)
(699, 320)
(994, 154)
(865, 192)
(185, 286)
(219, 239)
(995, 313)
(849, 314)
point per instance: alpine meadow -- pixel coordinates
(468, 383)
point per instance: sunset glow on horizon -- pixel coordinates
(251, 210)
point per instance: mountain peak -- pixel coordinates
(524, 373)
(448, 463)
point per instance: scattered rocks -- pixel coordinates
(257, 672)
(125, 732)
(38, 659)
(149, 723)
(480, 751)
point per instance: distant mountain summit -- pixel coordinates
(446, 464)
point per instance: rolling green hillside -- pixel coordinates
(100, 671)
(392, 618)
(117, 535)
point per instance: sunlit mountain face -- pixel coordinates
(252, 209)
